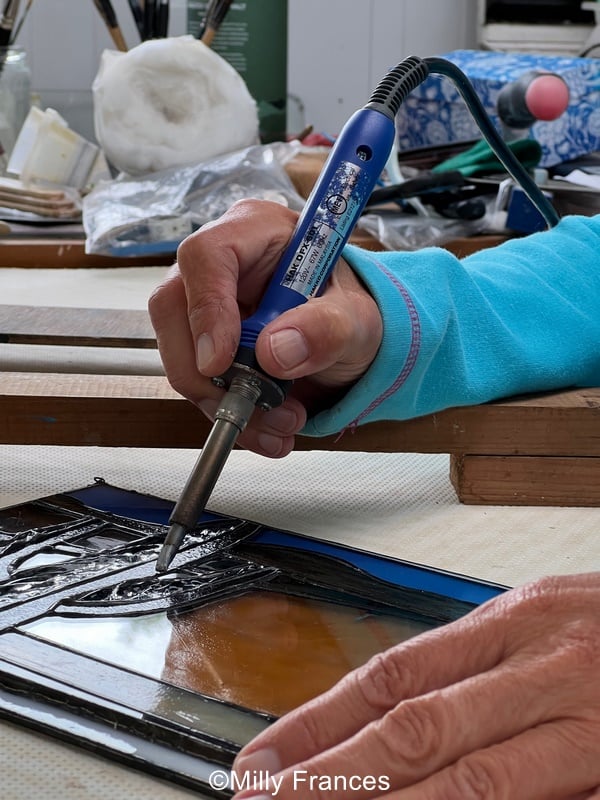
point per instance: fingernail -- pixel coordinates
(289, 348)
(265, 761)
(205, 351)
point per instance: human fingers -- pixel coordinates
(198, 328)
(225, 267)
(225, 263)
(435, 659)
(555, 761)
(269, 433)
(421, 736)
(196, 317)
(167, 307)
(330, 339)
(544, 633)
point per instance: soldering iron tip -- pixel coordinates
(164, 558)
(173, 541)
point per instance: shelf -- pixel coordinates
(549, 39)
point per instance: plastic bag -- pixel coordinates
(153, 213)
(399, 231)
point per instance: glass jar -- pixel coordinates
(15, 95)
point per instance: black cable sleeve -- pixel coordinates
(399, 82)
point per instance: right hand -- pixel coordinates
(222, 271)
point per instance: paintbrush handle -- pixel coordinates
(107, 12)
(7, 21)
(17, 30)
(215, 14)
(148, 26)
(162, 19)
(119, 41)
(138, 15)
(208, 36)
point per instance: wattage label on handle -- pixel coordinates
(332, 223)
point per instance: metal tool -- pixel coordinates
(331, 212)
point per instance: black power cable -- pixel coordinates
(412, 71)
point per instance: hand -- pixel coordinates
(504, 703)
(324, 345)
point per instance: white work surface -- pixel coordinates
(401, 505)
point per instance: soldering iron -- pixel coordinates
(333, 208)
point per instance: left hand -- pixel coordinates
(503, 703)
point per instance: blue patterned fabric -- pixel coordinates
(434, 113)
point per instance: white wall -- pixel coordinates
(64, 40)
(338, 49)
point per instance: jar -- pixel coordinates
(15, 94)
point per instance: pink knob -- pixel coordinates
(547, 97)
(533, 96)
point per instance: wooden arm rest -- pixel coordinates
(542, 449)
(143, 411)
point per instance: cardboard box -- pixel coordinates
(435, 113)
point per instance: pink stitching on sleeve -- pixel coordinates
(413, 351)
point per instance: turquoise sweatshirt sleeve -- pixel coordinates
(520, 317)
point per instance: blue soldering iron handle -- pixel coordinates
(329, 216)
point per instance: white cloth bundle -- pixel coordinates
(170, 102)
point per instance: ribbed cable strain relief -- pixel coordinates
(397, 84)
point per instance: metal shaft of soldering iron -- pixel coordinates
(329, 216)
(231, 419)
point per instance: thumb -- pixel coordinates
(332, 338)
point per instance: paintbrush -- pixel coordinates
(215, 14)
(17, 30)
(7, 21)
(161, 27)
(107, 12)
(149, 13)
(138, 15)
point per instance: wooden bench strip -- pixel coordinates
(526, 480)
(143, 411)
(84, 327)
